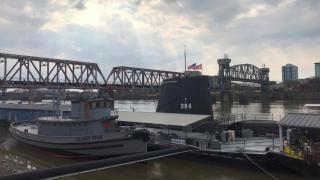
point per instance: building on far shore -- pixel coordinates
(289, 72)
(317, 69)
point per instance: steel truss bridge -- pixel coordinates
(249, 73)
(138, 77)
(21, 71)
(243, 73)
(31, 72)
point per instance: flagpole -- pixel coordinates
(185, 58)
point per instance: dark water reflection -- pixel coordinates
(168, 168)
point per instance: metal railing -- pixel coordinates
(229, 118)
(252, 143)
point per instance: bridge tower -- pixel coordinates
(225, 80)
(265, 84)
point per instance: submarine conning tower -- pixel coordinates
(187, 95)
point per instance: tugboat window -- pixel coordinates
(108, 104)
(98, 105)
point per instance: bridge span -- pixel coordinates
(131, 77)
(32, 72)
(20, 71)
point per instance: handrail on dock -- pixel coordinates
(230, 118)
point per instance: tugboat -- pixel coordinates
(91, 130)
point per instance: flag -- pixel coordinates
(198, 66)
(194, 66)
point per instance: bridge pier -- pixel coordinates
(3, 94)
(226, 98)
(225, 81)
(32, 96)
(265, 85)
(265, 95)
(243, 98)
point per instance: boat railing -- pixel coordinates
(60, 139)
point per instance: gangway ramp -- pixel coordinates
(84, 167)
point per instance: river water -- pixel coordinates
(16, 157)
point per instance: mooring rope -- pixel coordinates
(257, 165)
(241, 151)
(96, 165)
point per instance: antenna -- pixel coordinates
(185, 58)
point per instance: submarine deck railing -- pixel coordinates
(84, 167)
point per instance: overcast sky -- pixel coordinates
(152, 33)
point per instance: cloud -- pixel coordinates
(78, 4)
(152, 33)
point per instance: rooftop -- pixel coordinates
(36, 107)
(304, 120)
(173, 119)
(312, 105)
(289, 65)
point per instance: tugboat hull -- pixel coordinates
(104, 148)
(118, 144)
